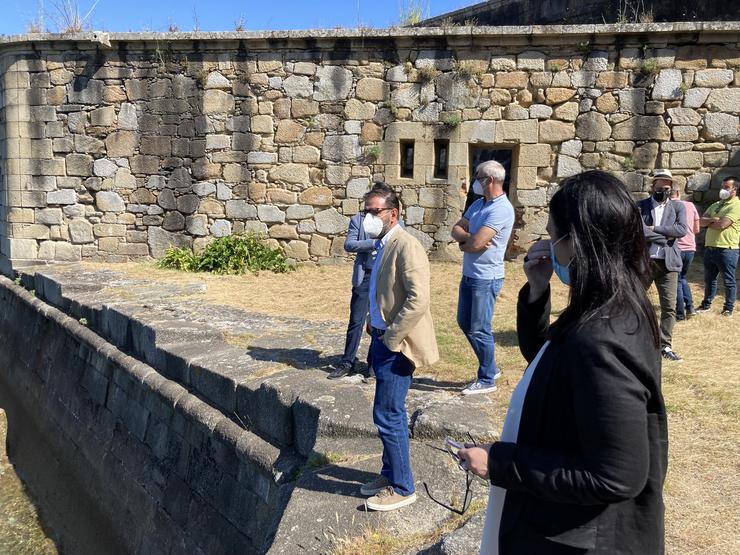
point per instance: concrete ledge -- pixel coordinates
(319, 35)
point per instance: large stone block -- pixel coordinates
(645, 156)
(217, 102)
(283, 231)
(370, 88)
(566, 112)
(341, 148)
(109, 201)
(714, 78)
(81, 231)
(517, 131)
(298, 86)
(668, 85)
(687, 160)
(317, 196)
(332, 83)
(121, 144)
(299, 212)
(456, 93)
(297, 250)
(685, 116)
(188, 204)
(160, 240)
(537, 155)
(724, 100)
(593, 126)
(331, 222)
(568, 166)
(512, 80)
(695, 98)
(556, 131)
(531, 60)
(290, 173)
(289, 131)
(79, 165)
(85, 91)
(557, 95)
(720, 126)
(270, 214)
(65, 196)
(642, 128)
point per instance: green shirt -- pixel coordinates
(728, 238)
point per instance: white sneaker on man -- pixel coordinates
(479, 387)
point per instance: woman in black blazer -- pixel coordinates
(583, 453)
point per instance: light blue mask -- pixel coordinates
(563, 272)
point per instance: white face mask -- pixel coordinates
(724, 194)
(372, 225)
(477, 188)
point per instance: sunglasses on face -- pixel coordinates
(373, 211)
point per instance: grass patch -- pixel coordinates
(231, 255)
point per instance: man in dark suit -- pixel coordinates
(664, 221)
(357, 242)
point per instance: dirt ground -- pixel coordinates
(702, 393)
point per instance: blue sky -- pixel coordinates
(221, 15)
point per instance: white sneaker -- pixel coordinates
(479, 387)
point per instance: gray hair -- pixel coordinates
(491, 168)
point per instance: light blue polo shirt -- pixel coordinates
(498, 214)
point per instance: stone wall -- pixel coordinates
(161, 470)
(116, 146)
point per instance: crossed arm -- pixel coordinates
(713, 222)
(472, 242)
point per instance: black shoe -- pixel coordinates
(668, 354)
(703, 307)
(727, 313)
(690, 313)
(368, 376)
(340, 370)
(680, 318)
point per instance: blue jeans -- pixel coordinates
(475, 307)
(393, 373)
(359, 306)
(684, 300)
(720, 261)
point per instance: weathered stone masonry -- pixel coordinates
(115, 152)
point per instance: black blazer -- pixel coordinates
(586, 473)
(673, 225)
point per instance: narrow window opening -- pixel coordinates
(407, 158)
(441, 150)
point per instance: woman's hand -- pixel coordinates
(538, 268)
(475, 459)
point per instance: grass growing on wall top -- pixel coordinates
(234, 254)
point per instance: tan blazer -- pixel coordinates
(404, 299)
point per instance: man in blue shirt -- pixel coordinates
(483, 233)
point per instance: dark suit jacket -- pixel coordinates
(586, 473)
(358, 242)
(672, 226)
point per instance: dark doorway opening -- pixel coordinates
(484, 153)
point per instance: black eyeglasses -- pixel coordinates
(373, 211)
(467, 500)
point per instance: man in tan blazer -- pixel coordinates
(402, 340)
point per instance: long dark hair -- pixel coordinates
(609, 271)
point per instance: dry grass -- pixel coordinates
(702, 394)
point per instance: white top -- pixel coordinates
(658, 209)
(509, 434)
(376, 318)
